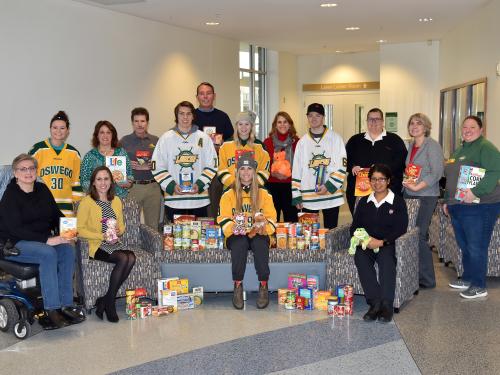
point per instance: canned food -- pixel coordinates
(332, 302)
(339, 310)
(290, 300)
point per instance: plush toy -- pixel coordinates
(258, 226)
(239, 227)
(360, 237)
(281, 165)
(111, 234)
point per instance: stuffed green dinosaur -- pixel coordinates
(360, 237)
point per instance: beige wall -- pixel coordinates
(97, 64)
(409, 82)
(289, 100)
(470, 51)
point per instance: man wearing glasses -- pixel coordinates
(374, 146)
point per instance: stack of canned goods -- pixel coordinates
(343, 303)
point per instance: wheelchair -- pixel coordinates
(20, 298)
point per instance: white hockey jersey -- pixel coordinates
(310, 153)
(177, 154)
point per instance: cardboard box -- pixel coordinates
(198, 295)
(181, 286)
(168, 298)
(67, 227)
(185, 301)
(297, 280)
(118, 167)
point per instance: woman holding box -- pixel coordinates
(384, 216)
(29, 217)
(424, 169)
(244, 141)
(244, 203)
(105, 143)
(100, 221)
(475, 213)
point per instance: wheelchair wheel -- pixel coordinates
(22, 329)
(8, 315)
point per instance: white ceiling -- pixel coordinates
(302, 26)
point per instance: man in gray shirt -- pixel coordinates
(140, 146)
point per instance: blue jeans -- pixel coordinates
(473, 226)
(56, 266)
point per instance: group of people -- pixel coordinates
(193, 173)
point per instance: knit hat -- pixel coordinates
(316, 107)
(246, 116)
(246, 160)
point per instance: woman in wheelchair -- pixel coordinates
(384, 216)
(28, 218)
(100, 221)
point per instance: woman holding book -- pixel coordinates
(105, 143)
(100, 221)
(282, 140)
(247, 217)
(424, 169)
(244, 141)
(29, 218)
(384, 216)
(474, 206)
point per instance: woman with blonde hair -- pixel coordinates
(425, 157)
(247, 217)
(244, 142)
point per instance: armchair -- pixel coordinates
(341, 269)
(144, 241)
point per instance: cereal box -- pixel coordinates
(321, 299)
(184, 219)
(297, 280)
(281, 235)
(307, 294)
(198, 295)
(118, 167)
(313, 282)
(179, 285)
(362, 185)
(322, 238)
(67, 227)
(185, 301)
(168, 298)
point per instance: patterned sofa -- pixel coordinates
(341, 268)
(437, 230)
(144, 241)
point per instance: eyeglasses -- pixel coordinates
(373, 120)
(24, 169)
(380, 179)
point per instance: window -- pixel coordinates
(253, 84)
(457, 103)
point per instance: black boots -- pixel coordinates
(72, 314)
(101, 306)
(372, 313)
(53, 320)
(386, 312)
(238, 302)
(263, 297)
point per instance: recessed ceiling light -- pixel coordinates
(328, 5)
(381, 41)
(426, 19)
(338, 51)
(352, 28)
(212, 23)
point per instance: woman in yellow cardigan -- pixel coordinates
(100, 221)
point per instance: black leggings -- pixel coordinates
(124, 261)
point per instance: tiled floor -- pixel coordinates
(436, 333)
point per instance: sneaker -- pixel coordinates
(459, 284)
(474, 292)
